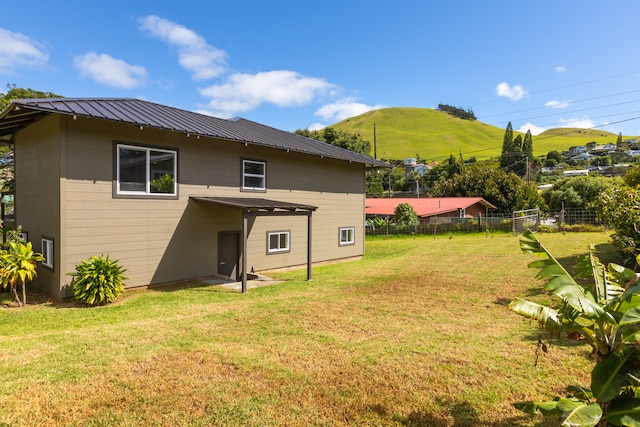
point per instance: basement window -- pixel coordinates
(347, 236)
(278, 242)
(47, 252)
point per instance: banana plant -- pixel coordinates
(606, 315)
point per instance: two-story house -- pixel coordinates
(175, 195)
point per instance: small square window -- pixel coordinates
(278, 241)
(254, 175)
(47, 252)
(347, 236)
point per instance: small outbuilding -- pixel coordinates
(430, 210)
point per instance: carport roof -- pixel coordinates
(21, 113)
(255, 204)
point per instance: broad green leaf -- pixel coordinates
(630, 316)
(610, 374)
(624, 411)
(561, 283)
(547, 408)
(580, 392)
(544, 315)
(575, 413)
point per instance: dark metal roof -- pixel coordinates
(254, 204)
(23, 112)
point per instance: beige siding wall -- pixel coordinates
(38, 162)
(166, 240)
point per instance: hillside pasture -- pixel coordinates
(405, 132)
(415, 334)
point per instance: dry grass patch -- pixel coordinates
(416, 334)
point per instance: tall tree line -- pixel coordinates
(517, 153)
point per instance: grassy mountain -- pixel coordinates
(434, 135)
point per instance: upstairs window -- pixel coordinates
(347, 236)
(146, 171)
(254, 175)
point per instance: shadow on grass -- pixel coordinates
(463, 415)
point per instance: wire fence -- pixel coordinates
(568, 219)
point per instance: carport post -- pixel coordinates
(245, 223)
(308, 245)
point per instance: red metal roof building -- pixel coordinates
(441, 207)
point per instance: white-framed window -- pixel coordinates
(463, 212)
(278, 241)
(145, 171)
(47, 252)
(347, 236)
(254, 175)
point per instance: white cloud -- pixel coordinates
(243, 92)
(583, 123)
(560, 69)
(316, 126)
(535, 130)
(557, 104)
(110, 71)
(18, 50)
(344, 109)
(194, 53)
(514, 93)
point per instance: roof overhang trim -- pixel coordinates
(251, 204)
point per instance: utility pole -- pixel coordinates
(375, 144)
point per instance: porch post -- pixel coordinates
(309, 246)
(245, 223)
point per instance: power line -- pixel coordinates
(566, 86)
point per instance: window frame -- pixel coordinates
(278, 250)
(48, 253)
(146, 194)
(244, 175)
(347, 242)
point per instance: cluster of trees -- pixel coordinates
(14, 92)
(457, 112)
(340, 138)
(517, 153)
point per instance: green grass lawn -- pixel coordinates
(416, 334)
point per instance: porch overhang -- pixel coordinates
(253, 207)
(251, 204)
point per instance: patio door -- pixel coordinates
(229, 254)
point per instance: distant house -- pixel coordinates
(577, 172)
(176, 195)
(437, 209)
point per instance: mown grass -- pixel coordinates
(415, 334)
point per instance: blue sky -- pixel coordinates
(306, 64)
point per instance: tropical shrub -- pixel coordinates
(618, 207)
(404, 214)
(506, 191)
(606, 315)
(18, 265)
(97, 281)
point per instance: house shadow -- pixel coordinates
(463, 414)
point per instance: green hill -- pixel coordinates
(434, 135)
